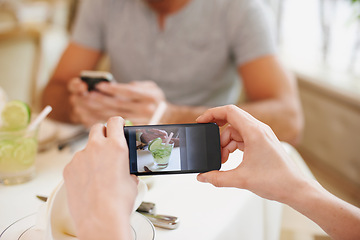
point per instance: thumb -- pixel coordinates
(76, 86)
(218, 178)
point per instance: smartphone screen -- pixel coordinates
(173, 149)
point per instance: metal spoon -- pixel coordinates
(162, 221)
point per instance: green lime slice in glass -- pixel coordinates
(25, 151)
(155, 144)
(15, 115)
(6, 150)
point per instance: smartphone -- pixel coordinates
(173, 149)
(94, 77)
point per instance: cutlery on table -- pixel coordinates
(147, 209)
(63, 143)
(162, 221)
(42, 198)
(70, 140)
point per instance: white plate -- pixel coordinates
(23, 229)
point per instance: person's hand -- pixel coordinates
(89, 108)
(85, 107)
(100, 190)
(136, 101)
(265, 170)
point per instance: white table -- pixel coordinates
(205, 212)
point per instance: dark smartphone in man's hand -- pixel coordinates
(174, 148)
(94, 77)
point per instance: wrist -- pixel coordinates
(305, 191)
(116, 228)
(181, 114)
(108, 221)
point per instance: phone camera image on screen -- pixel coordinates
(177, 148)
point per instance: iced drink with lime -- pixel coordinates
(17, 156)
(18, 145)
(161, 152)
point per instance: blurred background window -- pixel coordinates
(321, 39)
(33, 34)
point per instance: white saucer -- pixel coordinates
(23, 229)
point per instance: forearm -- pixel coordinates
(283, 116)
(57, 96)
(285, 119)
(74, 59)
(273, 94)
(182, 114)
(336, 217)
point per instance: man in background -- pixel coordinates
(191, 54)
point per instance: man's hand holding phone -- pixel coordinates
(136, 101)
(85, 109)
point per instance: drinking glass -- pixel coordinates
(162, 154)
(18, 149)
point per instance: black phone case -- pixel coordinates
(91, 82)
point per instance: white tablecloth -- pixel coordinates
(205, 212)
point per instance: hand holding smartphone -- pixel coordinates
(91, 78)
(173, 149)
